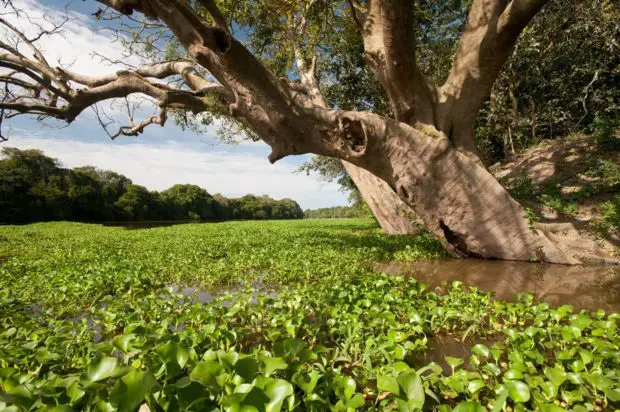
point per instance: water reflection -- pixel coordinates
(202, 294)
(441, 346)
(198, 294)
(584, 287)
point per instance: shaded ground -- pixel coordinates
(568, 180)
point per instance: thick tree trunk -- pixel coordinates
(394, 216)
(466, 207)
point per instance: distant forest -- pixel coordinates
(33, 188)
(336, 212)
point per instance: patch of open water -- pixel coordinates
(583, 287)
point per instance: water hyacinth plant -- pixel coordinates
(297, 318)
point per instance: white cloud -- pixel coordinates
(73, 48)
(160, 166)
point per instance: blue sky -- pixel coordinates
(160, 157)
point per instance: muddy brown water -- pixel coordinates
(440, 346)
(583, 287)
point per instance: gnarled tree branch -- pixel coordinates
(388, 32)
(492, 29)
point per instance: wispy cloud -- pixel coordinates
(73, 48)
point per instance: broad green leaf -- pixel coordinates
(518, 391)
(103, 368)
(273, 364)
(190, 393)
(598, 381)
(586, 356)
(412, 388)
(581, 321)
(388, 384)
(555, 375)
(174, 355)
(277, 391)
(481, 350)
(103, 406)
(571, 332)
(228, 359)
(43, 355)
(550, 390)
(613, 394)
(575, 378)
(492, 368)
(453, 362)
(206, 372)
(475, 385)
(570, 397)
(173, 352)
(307, 385)
(401, 367)
(122, 342)
(356, 402)
(498, 405)
(577, 365)
(21, 395)
(513, 374)
(75, 392)
(130, 390)
(348, 386)
(247, 368)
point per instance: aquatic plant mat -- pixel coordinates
(266, 316)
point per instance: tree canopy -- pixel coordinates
(33, 187)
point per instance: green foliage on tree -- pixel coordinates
(33, 187)
(562, 77)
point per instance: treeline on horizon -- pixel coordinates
(34, 188)
(336, 212)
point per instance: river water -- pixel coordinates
(583, 287)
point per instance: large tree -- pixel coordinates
(422, 149)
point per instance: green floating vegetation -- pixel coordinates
(91, 318)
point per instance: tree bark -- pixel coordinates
(464, 205)
(388, 209)
(394, 216)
